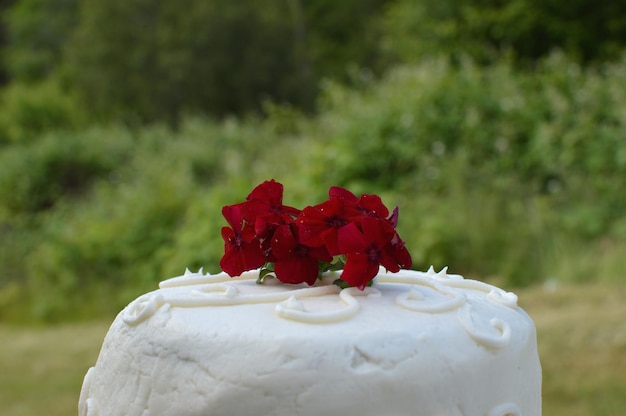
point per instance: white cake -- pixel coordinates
(413, 344)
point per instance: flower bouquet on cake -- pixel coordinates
(345, 232)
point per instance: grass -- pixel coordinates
(41, 369)
(582, 345)
(581, 332)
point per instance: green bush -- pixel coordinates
(487, 30)
(498, 173)
(152, 209)
(36, 32)
(138, 60)
(106, 250)
(30, 110)
(489, 163)
(35, 177)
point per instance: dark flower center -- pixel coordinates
(301, 250)
(373, 254)
(236, 241)
(336, 222)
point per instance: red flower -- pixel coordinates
(294, 262)
(242, 249)
(264, 208)
(393, 218)
(367, 205)
(360, 230)
(367, 249)
(342, 193)
(400, 253)
(318, 225)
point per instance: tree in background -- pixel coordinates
(4, 6)
(142, 60)
(586, 30)
(145, 60)
(154, 60)
(220, 57)
(345, 35)
(37, 31)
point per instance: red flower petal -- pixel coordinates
(399, 252)
(372, 205)
(358, 270)
(393, 218)
(233, 216)
(283, 243)
(378, 231)
(318, 225)
(270, 191)
(227, 234)
(266, 202)
(238, 259)
(297, 270)
(351, 240)
(311, 224)
(242, 251)
(342, 193)
(293, 261)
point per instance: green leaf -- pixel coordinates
(266, 271)
(341, 283)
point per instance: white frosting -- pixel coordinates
(413, 344)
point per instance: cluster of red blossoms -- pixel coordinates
(297, 246)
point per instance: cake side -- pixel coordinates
(413, 343)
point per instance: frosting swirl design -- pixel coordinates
(428, 292)
(505, 409)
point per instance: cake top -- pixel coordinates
(429, 292)
(432, 293)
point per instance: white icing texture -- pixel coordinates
(415, 343)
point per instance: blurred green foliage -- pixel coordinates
(525, 30)
(37, 31)
(125, 126)
(556, 133)
(219, 57)
(29, 110)
(497, 173)
(470, 150)
(146, 61)
(34, 177)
